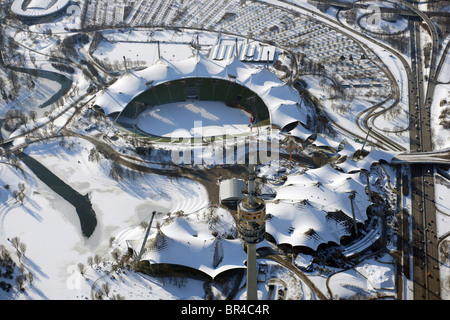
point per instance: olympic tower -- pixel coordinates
(251, 223)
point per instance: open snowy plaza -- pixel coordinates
(224, 150)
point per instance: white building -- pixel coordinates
(230, 191)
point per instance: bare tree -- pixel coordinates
(19, 282)
(116, 172)
(106, 288)
(90, 261)
(111, 241)
(15, 242)
(97, 259)
(81, 268)
(99, 295)
(23, 248)
(116, 254)
(29, 276)
(33, 115)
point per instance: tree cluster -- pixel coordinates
(14, 119)
(8, 267)
(444, 118)
(119, 264)
(20, 194)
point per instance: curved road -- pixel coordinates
(425, 253)
(421, 175)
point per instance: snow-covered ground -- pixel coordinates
(144, 47)
(50, 228)
(194, 118)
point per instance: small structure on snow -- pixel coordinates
(230, 191)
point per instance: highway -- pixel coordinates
(424, 240)
(378, 139)
(420, 160)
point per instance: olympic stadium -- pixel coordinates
(37, 9)
(247, 91)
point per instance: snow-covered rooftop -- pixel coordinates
(325, 217)
(310, 206)
(303, 225)
(283, 102)
(189, 242)
(38, 8)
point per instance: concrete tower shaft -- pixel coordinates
(251, 224)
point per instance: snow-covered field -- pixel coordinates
(143, 47)
(193, 118)
(50, 226)
(187, 230)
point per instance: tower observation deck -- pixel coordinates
(251, 220)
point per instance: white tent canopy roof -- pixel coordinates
(189, 243)
(272, 91)
(313, 222)
(283, 102)
(303, 225)
(327, 189)
(38, 8)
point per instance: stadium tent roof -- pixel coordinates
(283, 102)
(300, 132)
(312, 222)
(375, 155)
(303, 225)
(262, 81)
(189, 243)
(327, 189)
(236, 69)
(272, 91)
(38, 8)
